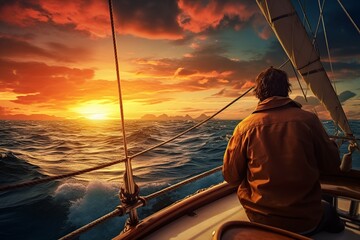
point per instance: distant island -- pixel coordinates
(165, 117)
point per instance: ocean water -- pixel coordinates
(36, 149)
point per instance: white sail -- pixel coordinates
(294, 39)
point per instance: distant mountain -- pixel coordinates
(165, 117)
(201, 117)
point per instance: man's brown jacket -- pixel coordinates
(276, 156)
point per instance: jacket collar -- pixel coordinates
(275, 102)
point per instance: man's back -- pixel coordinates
(281, 146)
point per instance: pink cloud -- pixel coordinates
(91, 16)
(142, 18)
(56, 85)
(19, 14)
(197, 17)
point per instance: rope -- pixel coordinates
(298, 80)
(118, 78)
(129, 181)
(318, 23)
(49, 179)
(283, 64)
(193, 127)
(175, 186)
(297, 77)
(122, 210)
(348, 15)
(327, 45)
(87, 227)
(305, 15)
(345, 138)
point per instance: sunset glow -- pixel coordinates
(176, 58)
(95, 110)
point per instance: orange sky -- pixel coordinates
(176, 57)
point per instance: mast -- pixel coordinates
(294, 39)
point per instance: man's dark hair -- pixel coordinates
(272, 82)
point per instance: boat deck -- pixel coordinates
(201, 223)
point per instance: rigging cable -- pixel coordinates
(327, 44)
(348, 15)
(49, 179)
(305, 16)
(94, 223)
(128, 176)
(318, 24)
(193, 127)
(121, 210)
(298, 80)
(57, 177)
(297, 77)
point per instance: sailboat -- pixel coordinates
(215, 212)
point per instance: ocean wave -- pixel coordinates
(14, 169)
(67, 146)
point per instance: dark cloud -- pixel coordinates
(148, 19)
(313, 101)
(208, 67)
(346, 95)
(345, 69)
(89, 16)
(200, 16)
(18, 48)
(310, 100)
(171, 19)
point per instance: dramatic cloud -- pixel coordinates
(198, 16)
(90, 16)
(148, 19)
(52, 54)
(18, 48)
(207, 68)
(346, 95)
(39, 83)
(170, 19)
(313, 101)
(310, 100)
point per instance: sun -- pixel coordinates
(95, 110)
(97, 116)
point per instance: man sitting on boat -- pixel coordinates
(276, 155)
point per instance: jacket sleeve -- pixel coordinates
(235, 163)
(327, 151)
